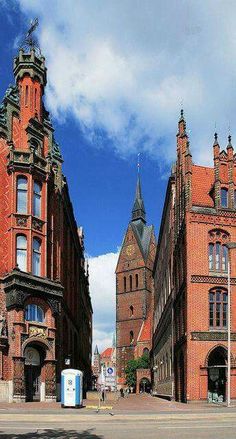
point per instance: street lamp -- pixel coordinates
(230, 245)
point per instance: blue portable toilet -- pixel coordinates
(71, 388)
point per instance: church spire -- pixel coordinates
(138, 211)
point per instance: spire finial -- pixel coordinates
(216, 139)
(138, 211)
(29, 42)
(138, 164)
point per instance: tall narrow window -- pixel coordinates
(218, 309)
(136, 280)
(130, 283)
(224, 258)
(37, 199)
(35, 98)
(131, 311)
(210, 255)
(26, 95)
(217, 264)
(131, 337)
(36, 263)
(224, 197)
(124, 284)
(21, 195)
(21, 252)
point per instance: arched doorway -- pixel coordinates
(144, 386)
(217, 365)
(34, 357)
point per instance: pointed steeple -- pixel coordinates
(96, 351)
(138, 211)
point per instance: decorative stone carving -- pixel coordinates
(54, 305)
(16, 298)
(218, 280)
(21, 221)
(36, 331)
(18, 377)
(3, 326)
(50, 381)
(37, 224)
(212, 336)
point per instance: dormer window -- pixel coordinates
(224, 197)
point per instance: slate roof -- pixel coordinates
(143, 234)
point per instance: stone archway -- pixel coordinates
(34, 359)
(217, 364)
(144, 385)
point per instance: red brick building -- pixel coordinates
(134, 289)
(190, 273)
(45, 307)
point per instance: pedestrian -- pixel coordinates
(122, 393)
(103, 395)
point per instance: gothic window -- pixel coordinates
(21, 252)
(130, 283)
(218, 251)
(37, 199)
(34, 313)
(21, 195)
(124, 283)
(146, 352)
(131, 337)
(136, 280)
(36, 263)
(131, 311)
(224, 197)
(218, 308)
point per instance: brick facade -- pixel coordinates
(134, 288)
(45, 307)
(190, 323)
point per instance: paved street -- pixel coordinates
(171, 421)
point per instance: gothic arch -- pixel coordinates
(219, 346)
(43, 343)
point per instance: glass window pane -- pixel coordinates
(212, 297)
(211, 249)
(36, 245)
(225, 312)
(21, 195)
(224, 197)
(218, 306)
(225, 297)
(37, 199)
(224, 258)
(34, 313)
(21, 252)
(211, 310)
(218, 296)
(217, 256)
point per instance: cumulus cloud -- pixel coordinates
(122, 68)
(103, 295)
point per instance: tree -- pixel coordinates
(132, 365)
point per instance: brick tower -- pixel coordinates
(134, 286)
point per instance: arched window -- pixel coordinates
(224, 197)
(131, 337)
(131, 311)
(34, 313)
(218, 308)
(21, 204)
(130, 283)
(146, 352)
(136, 280)
(36, 263)
(21, 252)
(124, 283)
(211, 253)
(37, 199)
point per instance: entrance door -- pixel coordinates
(32, 374)
(32, 383)
(217, 375)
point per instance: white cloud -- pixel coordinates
(124, 67)
(103, 294)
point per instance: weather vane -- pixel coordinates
(29, 41)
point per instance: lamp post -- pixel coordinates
(230, 245)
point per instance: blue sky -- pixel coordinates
(117, 74)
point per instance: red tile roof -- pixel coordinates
(202, 182)
(146, 330)
(107, 353)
